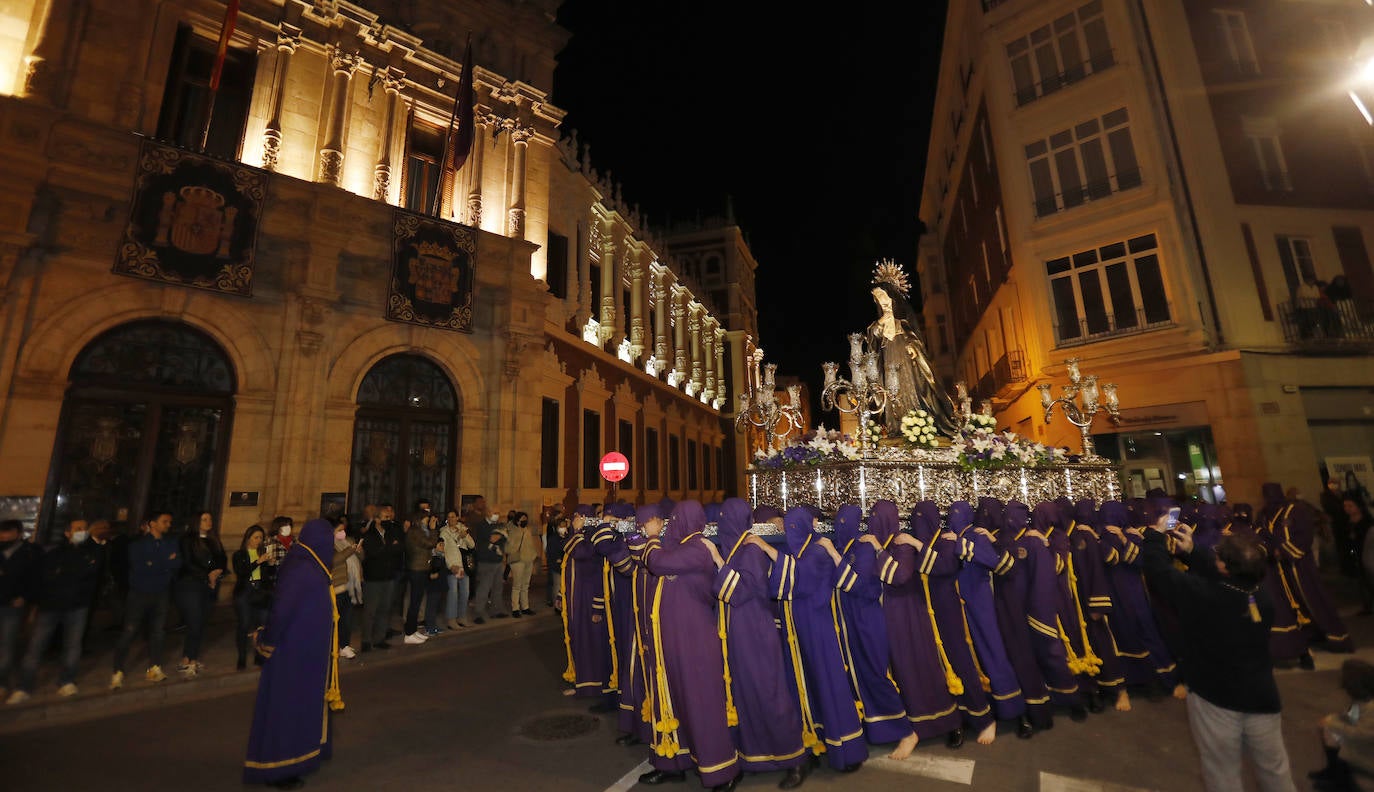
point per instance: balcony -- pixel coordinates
(1092, 191)
(1074, 72)
(1323, 326)
(1006, 379)
(1102, 326)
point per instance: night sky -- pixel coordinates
(814, 127)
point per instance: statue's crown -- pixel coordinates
(890, 272)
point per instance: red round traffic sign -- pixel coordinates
(614, 466)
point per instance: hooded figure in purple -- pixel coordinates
(1012, 587)
(1095, 598)
(1292, 526)
(863, 630)
(1145, 658)
(806, 585)
(1242, 521)
(690, 718)
(969, 685)
(1053, 520)
(635, 720)
(917, 667)
(1211, 519)
(1043, 603)
(585, 630)
(974, 584)
(617, 573)
(299, 683)
(764, 707)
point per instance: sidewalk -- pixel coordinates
(219, 677)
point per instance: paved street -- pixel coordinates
(458, 712)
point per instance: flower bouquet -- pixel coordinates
(985, 449)
(811, 449)
(919, 428)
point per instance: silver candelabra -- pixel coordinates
(963, 405)
(863, 394)
(1080, 403)
(761, 410)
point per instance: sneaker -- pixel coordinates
(117, 680)
(527, 612)
(67, 691)
(18, 697)
(415, 639)
(516, 614)
(155, 674)
(347, 653)
(433, 631)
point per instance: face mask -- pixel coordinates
(286, 530)
(79, 536)
(493, 519)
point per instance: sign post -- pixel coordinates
(614, 467)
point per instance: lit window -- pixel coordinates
(1107, 291)
(1061, 53)
(1263, 134)
(1088, 162)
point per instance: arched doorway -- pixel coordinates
(145, 424)
(405, 436)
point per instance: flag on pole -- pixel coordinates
(457, 148)
(226, 31)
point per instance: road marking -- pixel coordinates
(1326, 661)
(631, 778)
(959, 771)
(1049, 782)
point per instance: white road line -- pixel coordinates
(959, 771)
(1049, 782)
(631, 778)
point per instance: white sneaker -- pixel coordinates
(415, 639)
(155, 674)
(117, 680)
(17, 697)
(67, 691)
(347, 653)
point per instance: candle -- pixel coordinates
(794, 395)
(856, 346)
(1074, 376)
(856, 375)
(1045, 398)
(986, 407)
(757, 357)
(871, 366)
(961, 390)
(1090, 391)
(829, 369)
(769, 376)
(1109, 390)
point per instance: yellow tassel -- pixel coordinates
(952, 681)
(1254, 610)
(569, 578)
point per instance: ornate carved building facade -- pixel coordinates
(374, 325)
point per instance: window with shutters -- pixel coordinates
(591, 450)
(1112, 290)
(424, 153)
(187, 111)
(1295, 255)
(626, 445)
(1236, 42)
(1265, 143)
(1089, 162)
(549, 437)
(651, 458)
(1061, 53)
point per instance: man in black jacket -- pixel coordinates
(1224, 618)
(383, 555)
(18, 571)
(68, 575)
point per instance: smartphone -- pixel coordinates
(1172, 522)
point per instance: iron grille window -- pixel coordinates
(1061, 53)
(1112, 290)
(1086, 163)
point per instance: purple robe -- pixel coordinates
(916, 665)
(981, 558)
(1144, 656)
(584, 615)
(769, 730)
(1095, 595)
(1043, 601)
(618, 575)
(1012, 591)
(692, 721)
(1052, 520)
(1292, 527)
(290, 734)
(863, 630)
(952, 628)
(806, 585)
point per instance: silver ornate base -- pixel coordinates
(908, 476)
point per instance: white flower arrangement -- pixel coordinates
(876, 433)
(918, 427)
(977, 422)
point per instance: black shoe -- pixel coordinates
(627, 739)
(793, 779)
(527, 612)
(955, 739)
(294, 782)
(729, 786)
(852, 768)
(516, 614)
(654, 777)
(1094, 702)
(1336, 771)
(1078, 714)
(479, 620)
(1306, 662)
(381, 645)
(1024, 729)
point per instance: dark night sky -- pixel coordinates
(814, 125)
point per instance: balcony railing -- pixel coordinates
(1120, 323)
(1098, 61)
(1324, 325)
(1092, 191)
(1008, 371)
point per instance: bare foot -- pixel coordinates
(988, 734)
(1123, 702)
(569, 692)
(1180, 691)
(904, 748)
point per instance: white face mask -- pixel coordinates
(79, 536)
(286, 530)
(493, 519)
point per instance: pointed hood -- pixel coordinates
(925, 521)
(1015, 518)
(688, 518)
(1046, 517)
(847, 523)
(1085, 513)
(733, 524)
(1273, 494)
(798, 526)
(1113, 512)
(960, 517)
(988, 514)
(883, 521)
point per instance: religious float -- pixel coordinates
(914, 442)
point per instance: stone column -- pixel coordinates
(381, 173)
(722, 391)
(708, 357)
(607, 289)
(694, 346)
(660, 286)
(585, 287)
(479, 146)
(636, 308)
(47, 68)
(331, 155)
(515, 216)
(288, 39)
(679, 336)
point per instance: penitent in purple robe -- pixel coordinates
(626, 674)
(863, 630)
(1012, 589)
(1293, 527)
(981, 558)
(805, 583)
(952, 630)
(290, 733)
(769, 731)
(691, 702)
(584, 614)
(1053, 521)
(916, 665)
(1145, 658)
(1041, 616)
(1095, 595)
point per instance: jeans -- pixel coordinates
(345, 605)
(247, 619)
(554, 583)
(10, 618)
(459, 591)
(194, 598)
(73, 623)
(419, 582)
(1223, 737)
(376, 610)
(520, 572)
(488, 595)
(143, 608)
(434, 602)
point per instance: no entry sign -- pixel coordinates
(614, 466)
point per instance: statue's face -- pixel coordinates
(882, 299)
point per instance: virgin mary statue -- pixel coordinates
(905, 362)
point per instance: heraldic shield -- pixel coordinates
(193, 221)
(432, 272)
